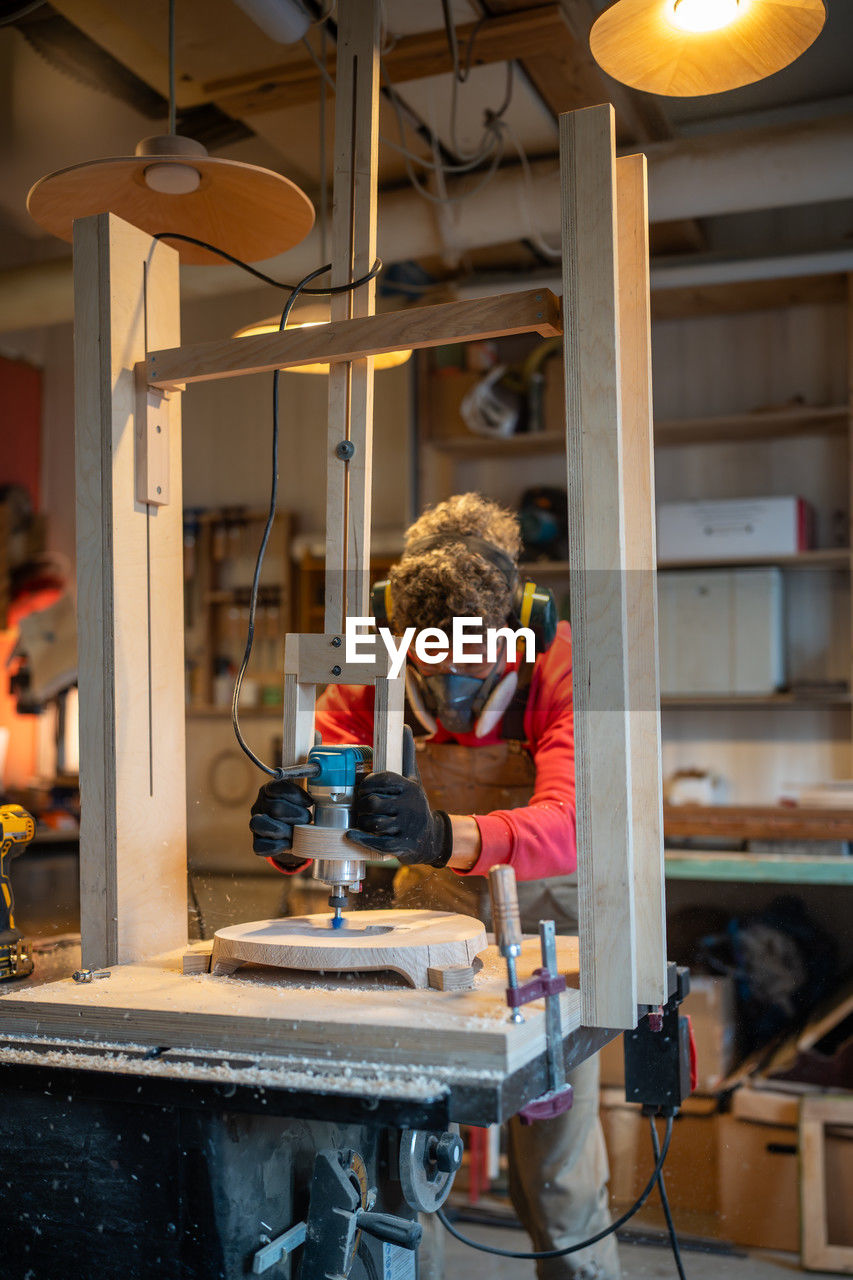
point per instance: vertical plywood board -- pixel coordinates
(130, 615)
(597, 559)
(348, 484)
(640, 560)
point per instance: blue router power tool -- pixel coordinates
(333, 775)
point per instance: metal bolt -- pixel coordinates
(336, 671)
(89, 975)
(336, 642)
(344, 450)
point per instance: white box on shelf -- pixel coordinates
(721, 632)
(733, 528)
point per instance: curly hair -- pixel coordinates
(431, 587)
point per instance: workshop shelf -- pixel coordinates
(771, 701)
(758, 868)
(823, 558)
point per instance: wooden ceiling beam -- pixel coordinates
(506, 37)
(749, 295)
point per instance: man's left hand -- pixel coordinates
(392, 816)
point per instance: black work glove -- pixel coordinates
(280, 806)
(392, 816)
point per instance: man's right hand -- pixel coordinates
(281, 805)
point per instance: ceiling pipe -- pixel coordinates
(698, 273)
(694, 177)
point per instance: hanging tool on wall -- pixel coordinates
(17, 829)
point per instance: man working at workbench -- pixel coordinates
(499, 760)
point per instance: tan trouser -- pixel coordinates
(558, 1170)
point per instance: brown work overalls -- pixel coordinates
(558, 1168)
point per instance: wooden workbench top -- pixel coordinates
(361, 1019)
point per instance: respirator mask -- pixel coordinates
(463, 704)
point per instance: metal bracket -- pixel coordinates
(278, 1249)
(152, 446)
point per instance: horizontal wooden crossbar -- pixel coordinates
(534, 311)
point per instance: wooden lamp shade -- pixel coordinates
(249, 212)
(640, 43)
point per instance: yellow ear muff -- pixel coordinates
(526, 609)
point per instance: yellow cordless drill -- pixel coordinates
(16, 831)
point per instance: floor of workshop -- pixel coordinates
(640, 1261)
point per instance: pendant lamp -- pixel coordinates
(307, 316)
(686, 48)
(172, 184)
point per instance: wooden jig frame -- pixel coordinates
(129, 368)
(819, 1113)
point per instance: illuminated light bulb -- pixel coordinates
(310, 316)
(706, 15)
(172, 179)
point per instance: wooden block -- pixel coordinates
(298, 722)
(197, 960)
(531, 311)
(456, 977)
(635, 359)
(130, 615)
(313, 658)
(388, 709)
(598, 560)
(152, 444)
(409, 943)
(821, 1197)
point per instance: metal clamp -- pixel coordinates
(547, 983)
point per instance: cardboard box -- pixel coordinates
(721, 631)
(712, 1009)
(758, 1171)
(733, 528)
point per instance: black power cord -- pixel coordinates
(660, 1157)
(295, 290)
(664, 1199)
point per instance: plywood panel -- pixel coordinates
(130, 615)
(640, 558)
(155, 1004)
(598, 561)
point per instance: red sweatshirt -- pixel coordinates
(538, 840)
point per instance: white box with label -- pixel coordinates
(721, 632)
(734, 528)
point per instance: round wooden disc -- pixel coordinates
(405, 942)
(250, 212)
(636, 42)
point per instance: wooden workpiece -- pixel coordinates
(408, 943)
(261, 1011)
